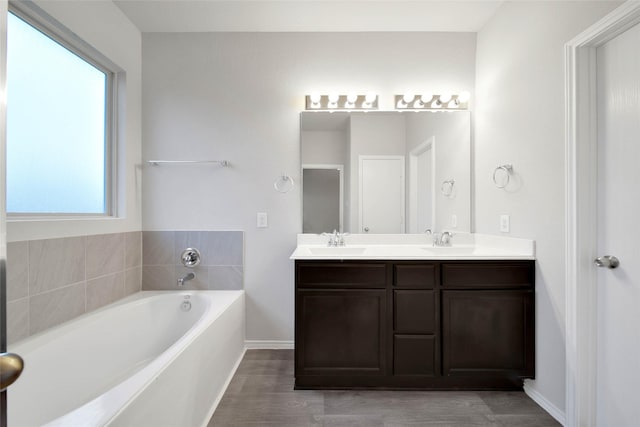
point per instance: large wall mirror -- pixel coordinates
(385, 172)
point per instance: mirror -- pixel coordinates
(385, 172)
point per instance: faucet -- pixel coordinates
(442, 239)
(186, 278)
(336, 238)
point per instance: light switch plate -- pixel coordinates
(505, 223)
(262, 220)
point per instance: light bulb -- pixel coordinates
(426, 98)
(445, 98)
(352, 98)
(314, 97)
(370, 98)
(464, 97)
(408, 97)
(333, 97)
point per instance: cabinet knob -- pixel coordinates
(366, 229)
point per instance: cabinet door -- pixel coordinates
(341, 332)
(489, 333)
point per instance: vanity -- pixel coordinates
(394, 311)
(391, 309)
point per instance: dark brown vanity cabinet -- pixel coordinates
(414, 324)
(341, 312)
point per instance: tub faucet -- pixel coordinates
(186, 278)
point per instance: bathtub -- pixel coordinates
(156, 358)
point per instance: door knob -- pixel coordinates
(607, 261)
(11, 366)
(366, 229)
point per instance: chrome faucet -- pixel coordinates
(186, 278)
(336, 238)
(442, 239)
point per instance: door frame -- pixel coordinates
(413, 183)
(340, 169)
(402, 200)
(581, 144)
(4, 8)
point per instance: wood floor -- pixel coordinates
(261, 394)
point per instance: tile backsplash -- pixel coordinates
(54, 280)
(221, 266)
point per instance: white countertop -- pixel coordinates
(465, 246)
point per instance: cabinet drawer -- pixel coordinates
(414, 355)
(422, 276)
(415, 311)
(516, 274)
(341, 275)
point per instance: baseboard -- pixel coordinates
(268, 344)
(545, 404)
(224, 388)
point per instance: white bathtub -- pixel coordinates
(142, 361)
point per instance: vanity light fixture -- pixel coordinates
(333, 100)
(314, 100)
(351, 101)
(336, 102)
(429, 101)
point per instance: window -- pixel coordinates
(59, 148)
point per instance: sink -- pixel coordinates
(449, 250)
(337, 251)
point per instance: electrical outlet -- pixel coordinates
(454, 221)
(504, 223)
(262, 220)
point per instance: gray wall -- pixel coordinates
(238, 96)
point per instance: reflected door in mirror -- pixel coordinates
(382, 194)
(435, 148)
(321, 199)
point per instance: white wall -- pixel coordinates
(238, 96)
(324, 147)
(102, 25)
(452, 133)
(519, 119)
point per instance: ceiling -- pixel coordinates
(308, 15)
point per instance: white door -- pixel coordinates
(381, 194)
(425, 192)
(422, 200)
(618, 298)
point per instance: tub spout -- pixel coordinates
(186, 278)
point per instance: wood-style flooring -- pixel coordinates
(261, 394)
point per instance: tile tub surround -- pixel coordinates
(221, 266)
(54, 280)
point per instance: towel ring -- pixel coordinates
(447, 187)
(508, 170)
(283, 184)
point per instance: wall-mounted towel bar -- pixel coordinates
(223, 163)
